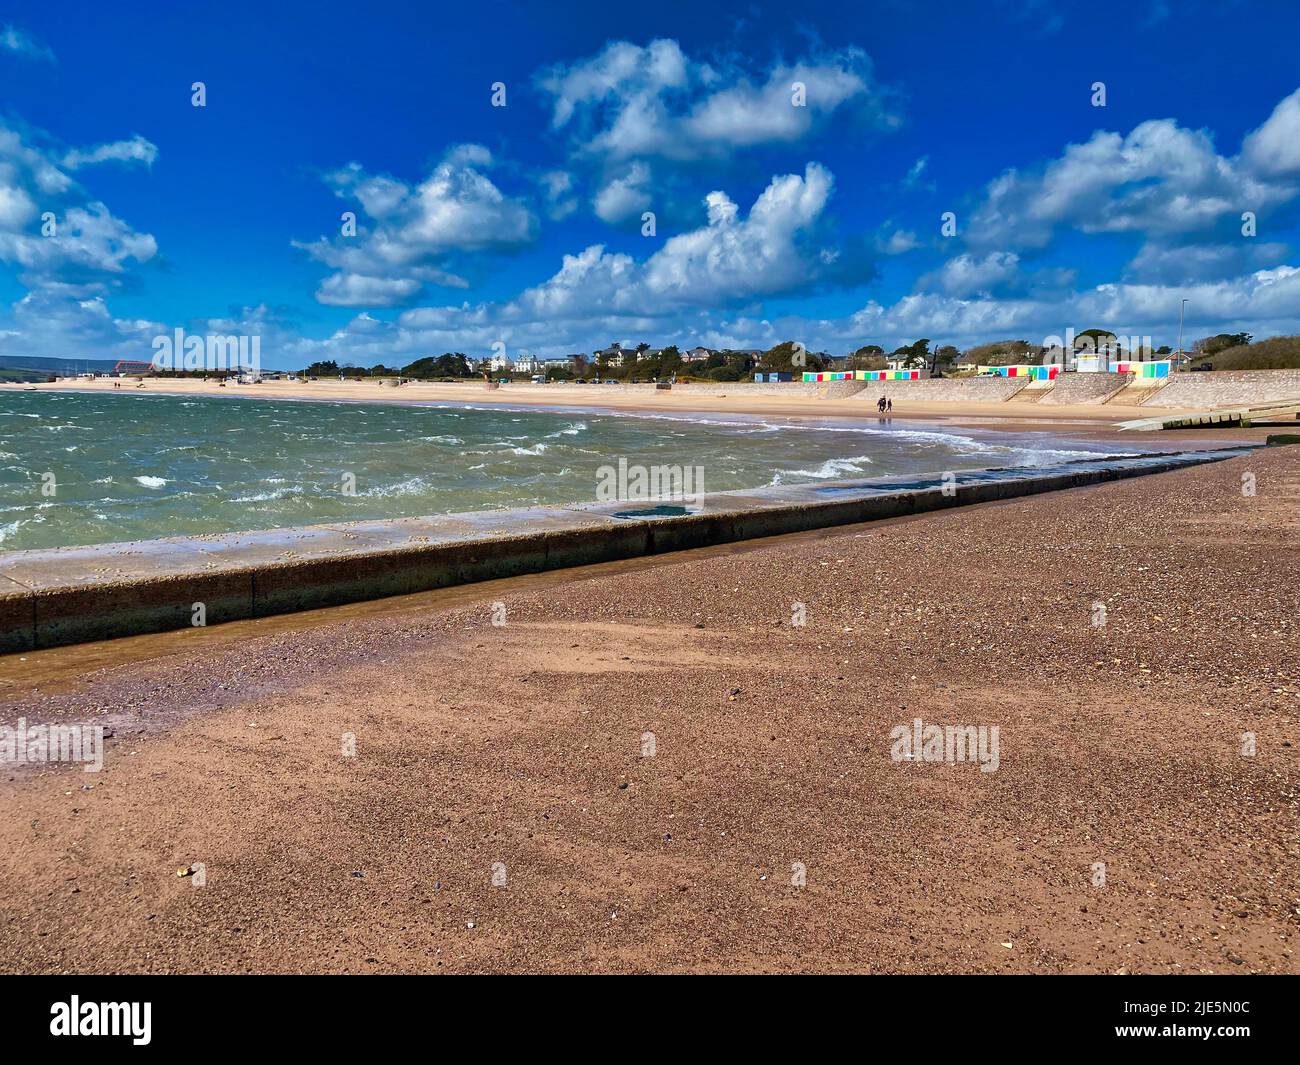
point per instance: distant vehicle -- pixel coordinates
(611, 381)
(581, 381)
(539, 378)
(1203, 367)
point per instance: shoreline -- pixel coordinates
(96, 592)
(523, 744)
(1010, 416)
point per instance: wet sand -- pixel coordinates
(522, 744)
(1009, 415)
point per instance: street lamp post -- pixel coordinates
(1181, 308)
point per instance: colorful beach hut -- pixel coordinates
(1143, 369)
(1007, 371)
(886, 375)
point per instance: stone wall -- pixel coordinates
(1227, 388)
(1084, 388)
(946, 390)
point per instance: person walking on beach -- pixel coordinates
(880, 405)
(889, 406)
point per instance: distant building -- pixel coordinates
(529, 364)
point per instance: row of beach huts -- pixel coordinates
(1085, 364)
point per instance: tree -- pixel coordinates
(1275, 353)
(449, 364)
(915, 354)
(1000, 353)
(322, 369)
(670, 361)
(943, 357)
(789, 356)
(1095, 340)
(868, 357)
(1221, 342)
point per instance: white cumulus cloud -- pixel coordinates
(410, 233)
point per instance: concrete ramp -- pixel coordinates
(1240, 416)
(1033, 393)
(1138, 393)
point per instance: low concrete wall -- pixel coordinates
(77, 594)
(1226, 388)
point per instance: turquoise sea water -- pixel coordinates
(129, 467)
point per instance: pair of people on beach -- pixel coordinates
(884, 405)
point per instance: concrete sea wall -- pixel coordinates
(1226, 388)
(1084, 388)
(77, 594)
(946, 390)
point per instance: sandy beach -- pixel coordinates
(501, 814)
(1008, 415)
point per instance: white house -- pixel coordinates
(529, 364)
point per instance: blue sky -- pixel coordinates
(523, 224)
